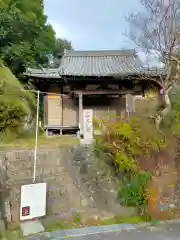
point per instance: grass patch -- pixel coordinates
(117, 220)
(15, 234)
(12, 232)
(77, 219)
(77, 223)
(12, 235)
(43, 142)
(61, 225)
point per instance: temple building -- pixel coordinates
(97, 80)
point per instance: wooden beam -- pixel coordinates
(105, 92)
(97, 92)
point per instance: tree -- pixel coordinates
(157, 31)
(60, 46)
(25, 37)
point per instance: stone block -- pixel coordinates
(7, 211)
(31, 227)
(2, 227)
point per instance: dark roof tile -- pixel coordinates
(99, 63)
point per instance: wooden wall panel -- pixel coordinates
(115, 108)
(70, 112)
(54, 110)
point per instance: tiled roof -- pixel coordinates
(43, 73)
(95, 63)
(99, 63)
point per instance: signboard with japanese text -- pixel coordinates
(88, 124)
(130, 103)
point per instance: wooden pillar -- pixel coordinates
(81, 113)
(143, 89)
(46, 132)
(62, 108)
(44, 109)
(45, 102)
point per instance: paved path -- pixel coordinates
(156, 233)
(169, 231)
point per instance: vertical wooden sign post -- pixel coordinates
(88, 125)
(129, 104)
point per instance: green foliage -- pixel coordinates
(125, 142)
(120, 220)
(12, 113)
(172, 119)
(16, 106)
(26, 37)
(77, 218)
(60, 46)
(124, 162)
(133, 192)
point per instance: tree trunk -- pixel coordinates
(166, 110)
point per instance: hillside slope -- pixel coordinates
(17, 107)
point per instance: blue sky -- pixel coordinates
(91, 24)
(94, 24)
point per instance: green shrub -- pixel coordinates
(17, 107)
(133, 191)
(77, 218)
(124, 142)
(12, 113)
(125, 163)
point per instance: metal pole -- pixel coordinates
(36, 139)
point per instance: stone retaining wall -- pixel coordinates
(75, 182)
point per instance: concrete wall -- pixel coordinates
(76, 182)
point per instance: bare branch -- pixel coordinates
(157, 30)
(158, 27)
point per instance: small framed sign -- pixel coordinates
(26, 211)
(33, 201)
